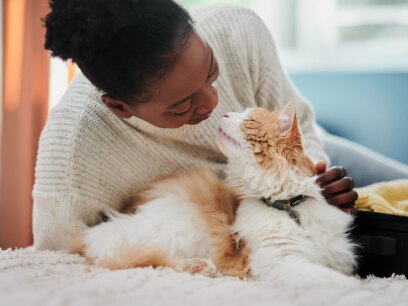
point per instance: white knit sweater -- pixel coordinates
(90, 161)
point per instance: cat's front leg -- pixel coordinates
(300, 274)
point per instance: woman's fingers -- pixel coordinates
(321, 167)
(346, 198)
(337, 187)
(331, 175)
(344, 184)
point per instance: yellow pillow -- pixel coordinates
(385, 197)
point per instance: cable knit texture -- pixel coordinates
(91, 162)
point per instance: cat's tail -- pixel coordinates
(127, 257)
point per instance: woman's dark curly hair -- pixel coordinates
(121, 46)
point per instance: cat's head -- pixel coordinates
(265, 142)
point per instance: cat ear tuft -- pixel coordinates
(287, 118)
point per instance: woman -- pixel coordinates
(153, 88)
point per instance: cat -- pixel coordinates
(267, 221)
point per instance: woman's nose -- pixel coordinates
(207, 100)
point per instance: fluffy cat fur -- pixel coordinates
(197, 223)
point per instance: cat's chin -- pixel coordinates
(227, 143)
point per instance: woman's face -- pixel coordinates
(184, 96)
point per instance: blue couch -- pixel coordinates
(370, 108)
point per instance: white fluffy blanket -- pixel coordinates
(30, 277)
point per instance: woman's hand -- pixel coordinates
(337, 187)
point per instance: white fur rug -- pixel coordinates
(30, 277)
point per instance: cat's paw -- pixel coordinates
(199, 266)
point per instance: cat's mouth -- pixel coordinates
(228, 137)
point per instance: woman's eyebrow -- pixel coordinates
(185, 99)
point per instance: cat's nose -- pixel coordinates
(226, 116)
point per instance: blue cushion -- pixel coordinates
(369, 108)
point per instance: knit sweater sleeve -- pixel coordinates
(59, 219)
(273, 88)
(60, 210)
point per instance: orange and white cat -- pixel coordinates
(195, 222)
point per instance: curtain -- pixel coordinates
(24, 110)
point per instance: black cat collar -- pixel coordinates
(286, 205)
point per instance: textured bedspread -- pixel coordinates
(30, 277)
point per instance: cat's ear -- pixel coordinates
(287, 120)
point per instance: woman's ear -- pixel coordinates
(118, 107)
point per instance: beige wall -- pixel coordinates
(24, 106)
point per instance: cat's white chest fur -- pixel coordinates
(277, 242)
